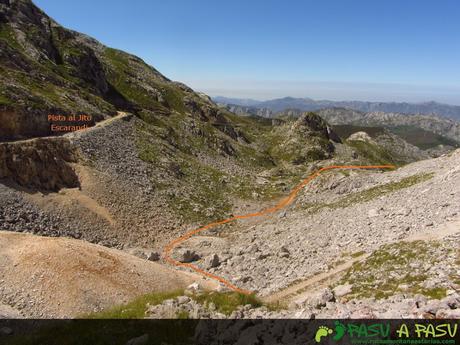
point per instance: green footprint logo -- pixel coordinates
(339, 330)
(322, 331)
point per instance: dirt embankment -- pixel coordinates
(16, 124)
(42, 164)
(61, 277)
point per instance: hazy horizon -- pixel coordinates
(321, 91)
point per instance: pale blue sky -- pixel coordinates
(355, 49)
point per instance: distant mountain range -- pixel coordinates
(308, 104)
(424, 131)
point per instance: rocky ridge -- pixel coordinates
(444, 130)
(442, 126)
(308, 104)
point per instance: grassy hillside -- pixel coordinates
(421, 138)
(47, 69)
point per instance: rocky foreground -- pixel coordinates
(355, 244)
(397, 306)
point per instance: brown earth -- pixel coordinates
(61, 277)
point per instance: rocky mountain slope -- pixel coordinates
(47, 69)
(131, 183)
(425, 131)
(157, 170)
(308, 104)
(384, 142)
(442, 127)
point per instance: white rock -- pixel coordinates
(372, 213)
(195, 287)
(448, 314)
(212, 261)
(342, 290)
(304, 314)
(183, 299)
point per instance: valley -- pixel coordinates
(168, 205)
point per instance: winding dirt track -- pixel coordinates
(280, 205)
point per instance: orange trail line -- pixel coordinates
(283, 203)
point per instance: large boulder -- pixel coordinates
(188, 255)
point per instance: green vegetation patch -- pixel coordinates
(284, 142)
(372, 152)
(227, 302)
(371, 193)
(224, 302)
(394, 268)
(7, 35)
(421, 138)
(374, 192)
(196, 190)
(94, 329)
(252, 126)
(246, 188)
(296, 148)
(358, 254)
(205, 199)
(4, 100)
(120, 79)
(135, 309)
(146, 145)
(255, 158)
